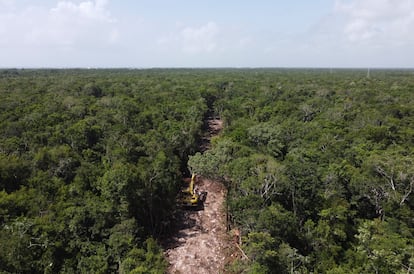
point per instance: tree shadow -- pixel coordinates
(185, 223)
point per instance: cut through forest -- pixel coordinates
(200, 244)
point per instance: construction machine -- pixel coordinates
(190, 197)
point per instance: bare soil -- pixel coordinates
(201, 244)
(214, 126)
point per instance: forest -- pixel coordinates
(318, 164)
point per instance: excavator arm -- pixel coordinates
(189, 198)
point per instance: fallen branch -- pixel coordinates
(241, 250)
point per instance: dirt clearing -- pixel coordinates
(214, 126)
(201, 243)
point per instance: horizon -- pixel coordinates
(201, 68)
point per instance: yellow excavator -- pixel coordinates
(189, 197)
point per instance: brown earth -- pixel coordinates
(214, 126)
(201, 244)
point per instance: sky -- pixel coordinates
(201, 33)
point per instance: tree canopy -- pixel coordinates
(318, 166)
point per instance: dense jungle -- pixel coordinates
(318, 165)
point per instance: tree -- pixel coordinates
(381, 249)
(14, 172)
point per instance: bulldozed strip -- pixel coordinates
(200, 243)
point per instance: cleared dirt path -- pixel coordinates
(201, 244)
(214, 126)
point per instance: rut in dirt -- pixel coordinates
(200, 243)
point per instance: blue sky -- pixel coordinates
(184, 33)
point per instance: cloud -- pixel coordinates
(6, 4)
(359, 33)
(36, 32)
(387, 22)
(201, 39)
(88, 23)
(192, 40)
(88, 10)
(87, 33)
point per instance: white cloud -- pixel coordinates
(386, 22)
(192, 40)
(89, 10)
(86, 23)
(36, 32)
(86, 33)
(201, 39)
(6, 4)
